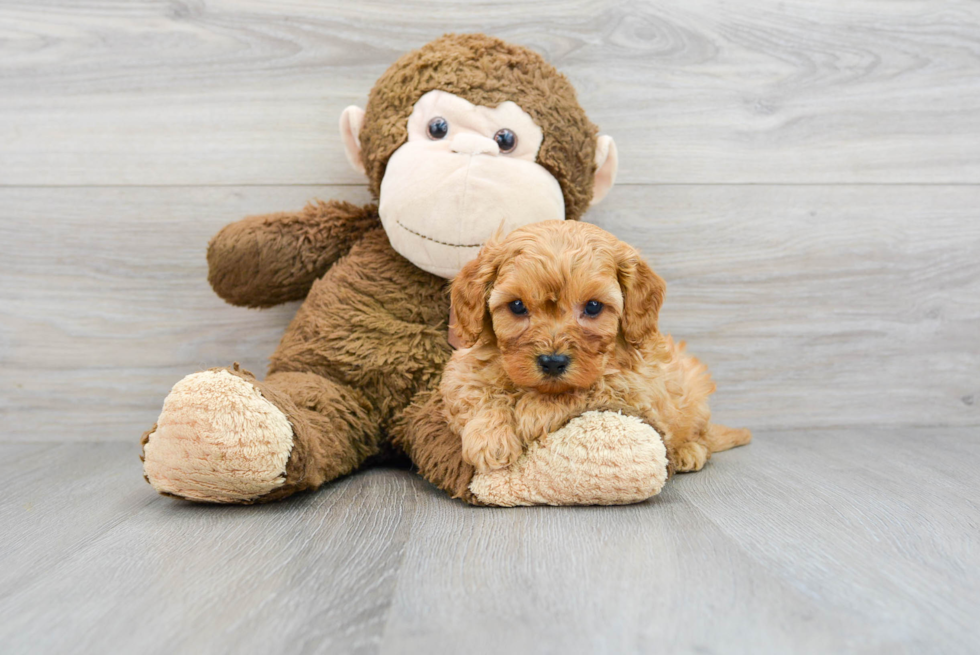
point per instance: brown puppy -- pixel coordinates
(560, 318)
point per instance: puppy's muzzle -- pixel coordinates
(553, 365)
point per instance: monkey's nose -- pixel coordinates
(474, 144)
(553, 365)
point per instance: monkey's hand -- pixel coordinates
(261, 261)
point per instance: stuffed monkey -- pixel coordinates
(462, 138)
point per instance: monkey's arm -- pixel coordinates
(261, 261)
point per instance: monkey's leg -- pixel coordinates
(598, 458)
(225, 437)
(422, 432)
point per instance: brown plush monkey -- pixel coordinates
(464, 137)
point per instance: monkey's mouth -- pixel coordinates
(441, 243)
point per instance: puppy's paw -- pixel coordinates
(687, 457)
(489, 448)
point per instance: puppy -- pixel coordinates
(559, 318)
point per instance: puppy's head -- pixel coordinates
(557, 297)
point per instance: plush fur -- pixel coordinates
(498, 396)
(263, 261)
(486, 71)
(222, 468)
(608, 458)
(357, 372)
(370, 336)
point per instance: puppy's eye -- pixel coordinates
(506, 140)
(438, 128)
(593, 308)
(517, 307)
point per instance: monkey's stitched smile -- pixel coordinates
(442, 243)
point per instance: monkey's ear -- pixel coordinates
(643, 294)
(607, 164)
(469, 293)
(350, 128)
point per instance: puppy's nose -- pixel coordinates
(553, 365)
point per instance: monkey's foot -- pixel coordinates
(599, 458)
(217, 440)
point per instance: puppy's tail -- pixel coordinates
(721, 438)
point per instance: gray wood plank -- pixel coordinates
(652, 578)
(105, 303)
(99, 562)
(787, 91)
(892, 515)
(59, 498)
(834, 541)
(820, 306)
(807, 541)
(814, 306)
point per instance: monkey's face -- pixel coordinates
(465, 172)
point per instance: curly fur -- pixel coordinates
(498, 399)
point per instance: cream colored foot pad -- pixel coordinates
(599, 458)
(218, 440)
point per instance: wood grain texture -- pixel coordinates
(806, 541)
(787, 91)
(137, 575)
(805, 175)
(820, 306)
(814, 306)
(784, 546)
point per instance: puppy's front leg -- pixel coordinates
(489, 440)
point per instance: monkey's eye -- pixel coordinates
(517, 307)
(506, 140)
(438, 128)
(593, 308)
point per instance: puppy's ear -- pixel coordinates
(470, 290)
(643, 294)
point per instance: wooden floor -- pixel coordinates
(826, 541)
(806, 177)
